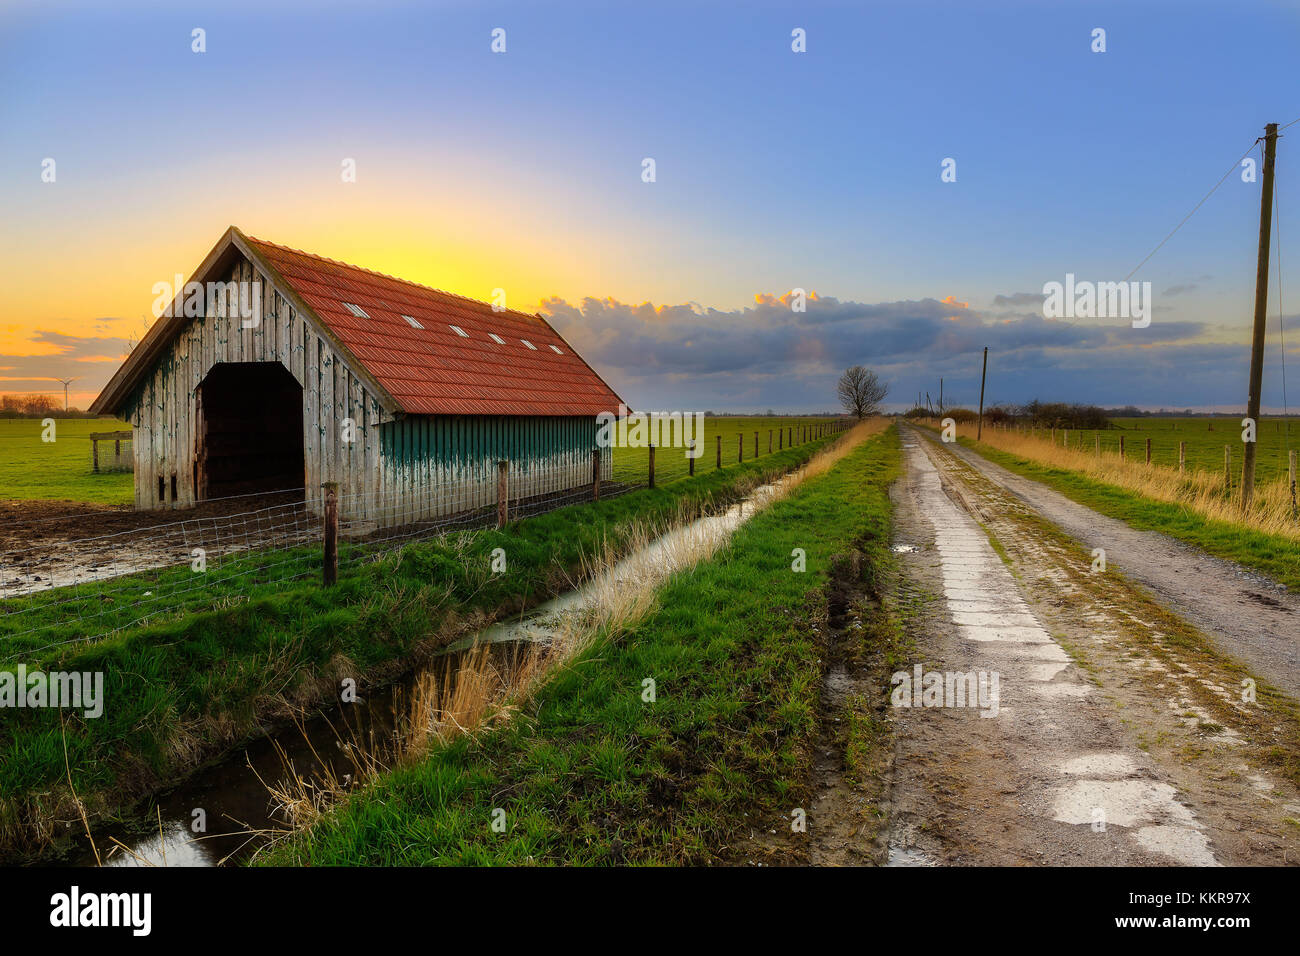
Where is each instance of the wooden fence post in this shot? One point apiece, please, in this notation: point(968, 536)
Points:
point(331, 548)
point(1097, 443)
point(780, 439)
point(1148, 451)
point(1121, 447)
point(719, 451)
point(503, 493)
point(769, 441)
point(690, 459)
point(595, 475)
point(652, 465)
point(94, 453)
point(1182, 457)
point(740, 447)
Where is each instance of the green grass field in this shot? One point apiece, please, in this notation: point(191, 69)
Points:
point(32, 469)
point(631, 464)
point(1205, 438)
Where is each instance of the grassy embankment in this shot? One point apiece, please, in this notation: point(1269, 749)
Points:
point(171, 593)
point(588, 771)
point(185, 689)
point(1194, 507)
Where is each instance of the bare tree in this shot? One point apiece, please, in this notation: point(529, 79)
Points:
point(861, 391)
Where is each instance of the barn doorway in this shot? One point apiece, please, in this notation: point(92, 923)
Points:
point(250, 431)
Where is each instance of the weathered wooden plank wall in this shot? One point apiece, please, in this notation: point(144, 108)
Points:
point(164, 413)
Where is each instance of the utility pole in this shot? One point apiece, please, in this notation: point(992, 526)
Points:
point(1261, 305)
point(979, 429)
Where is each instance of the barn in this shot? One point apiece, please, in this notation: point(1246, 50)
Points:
point(288, 370)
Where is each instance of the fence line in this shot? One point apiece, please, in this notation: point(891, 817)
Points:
point(88, 587)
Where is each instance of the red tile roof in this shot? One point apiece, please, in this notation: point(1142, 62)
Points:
point(433, 370)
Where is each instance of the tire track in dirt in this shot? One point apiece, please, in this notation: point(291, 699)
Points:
point(1108, 714)
point(1249, 616)
point(1038, 772)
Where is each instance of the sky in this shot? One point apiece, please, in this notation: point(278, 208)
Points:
point(774, 171)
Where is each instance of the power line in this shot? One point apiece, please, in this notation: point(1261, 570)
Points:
point(1233, 168)
point(1183, 222)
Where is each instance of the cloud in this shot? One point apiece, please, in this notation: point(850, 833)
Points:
point(91, 360)
point(689, 356)
point(768, 355)
point(1018, 300)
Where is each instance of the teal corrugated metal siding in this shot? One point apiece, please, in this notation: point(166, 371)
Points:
point(439, 465)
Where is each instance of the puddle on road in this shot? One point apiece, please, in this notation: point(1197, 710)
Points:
point(909, 856)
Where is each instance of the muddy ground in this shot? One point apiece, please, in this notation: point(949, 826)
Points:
point(57, 544)
point(1120, 733)
point(50, 544)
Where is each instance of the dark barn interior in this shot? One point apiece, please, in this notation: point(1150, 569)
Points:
point(250, 438)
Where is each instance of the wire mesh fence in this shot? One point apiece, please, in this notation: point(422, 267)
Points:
point(61, 584)
point(61, 587)
point(111, 452)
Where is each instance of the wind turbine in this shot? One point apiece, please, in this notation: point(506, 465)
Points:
point(66, 382)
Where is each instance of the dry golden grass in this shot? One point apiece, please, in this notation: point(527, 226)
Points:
point(1201, 492)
